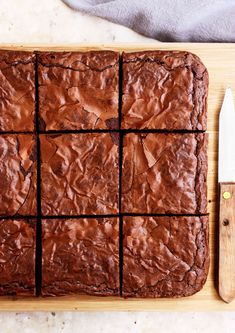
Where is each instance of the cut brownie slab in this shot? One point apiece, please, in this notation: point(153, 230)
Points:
point(79, 173)
point(17, 175)
point(164, 173)
point(17, 91)
point(164, 256)
point(164, 90)
point(80, 256)
point(78, 90)
point(17, 257)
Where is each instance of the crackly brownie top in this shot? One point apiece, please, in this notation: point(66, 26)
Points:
point(17, 91)
point(79, 173)
point(164, 90)
point(17, 174)
point(78, 90)
point(164, 173)
point(17, 257)
point(164, 256)
point(80, 255)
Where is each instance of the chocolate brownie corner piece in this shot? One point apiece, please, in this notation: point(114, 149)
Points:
point(18, 175)
point(17, 91)
point(164, 90)
point(17, 257)
point(80, 256)
point(78, 90)
point(164, 173)
point(164, 256)
point(79, 174)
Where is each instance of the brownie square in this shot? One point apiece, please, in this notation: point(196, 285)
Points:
point(17, 175)
point(164, 256)
point(78, 90)
point(80, 256)
point(79, 173)
point(17, 257)
point(17, 91)
point(164, 90)
point(164, 173)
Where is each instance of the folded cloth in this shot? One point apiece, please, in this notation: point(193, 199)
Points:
point(168, 20)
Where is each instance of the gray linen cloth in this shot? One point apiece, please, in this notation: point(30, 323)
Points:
point(168, 20)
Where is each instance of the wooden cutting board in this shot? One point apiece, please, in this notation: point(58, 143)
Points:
point(220, 62)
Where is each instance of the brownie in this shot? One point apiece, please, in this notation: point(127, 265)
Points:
point(17, 91)
point(79, 174)
point(17, 257)
point(17, 175)
point(80, 256)
point(164, 90)
point(164, 256)
point(164, 173)
point(78, 90)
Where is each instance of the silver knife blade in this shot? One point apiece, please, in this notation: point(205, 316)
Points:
point(227, 139)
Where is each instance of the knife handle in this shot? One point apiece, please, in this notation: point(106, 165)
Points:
point(227, 242)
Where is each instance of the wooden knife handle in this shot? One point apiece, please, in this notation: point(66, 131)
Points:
point(227, 242)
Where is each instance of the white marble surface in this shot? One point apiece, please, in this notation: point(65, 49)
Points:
point(51, 22)
point(139, 322)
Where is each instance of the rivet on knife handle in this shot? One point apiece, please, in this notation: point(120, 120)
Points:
point(227, 242)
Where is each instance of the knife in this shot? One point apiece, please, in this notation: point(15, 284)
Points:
point(227, 198)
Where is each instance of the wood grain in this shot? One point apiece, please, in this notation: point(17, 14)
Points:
point(227, 242)
point(220, 61)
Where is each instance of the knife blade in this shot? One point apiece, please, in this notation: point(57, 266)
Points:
point(227, 139)
point(226, 177)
